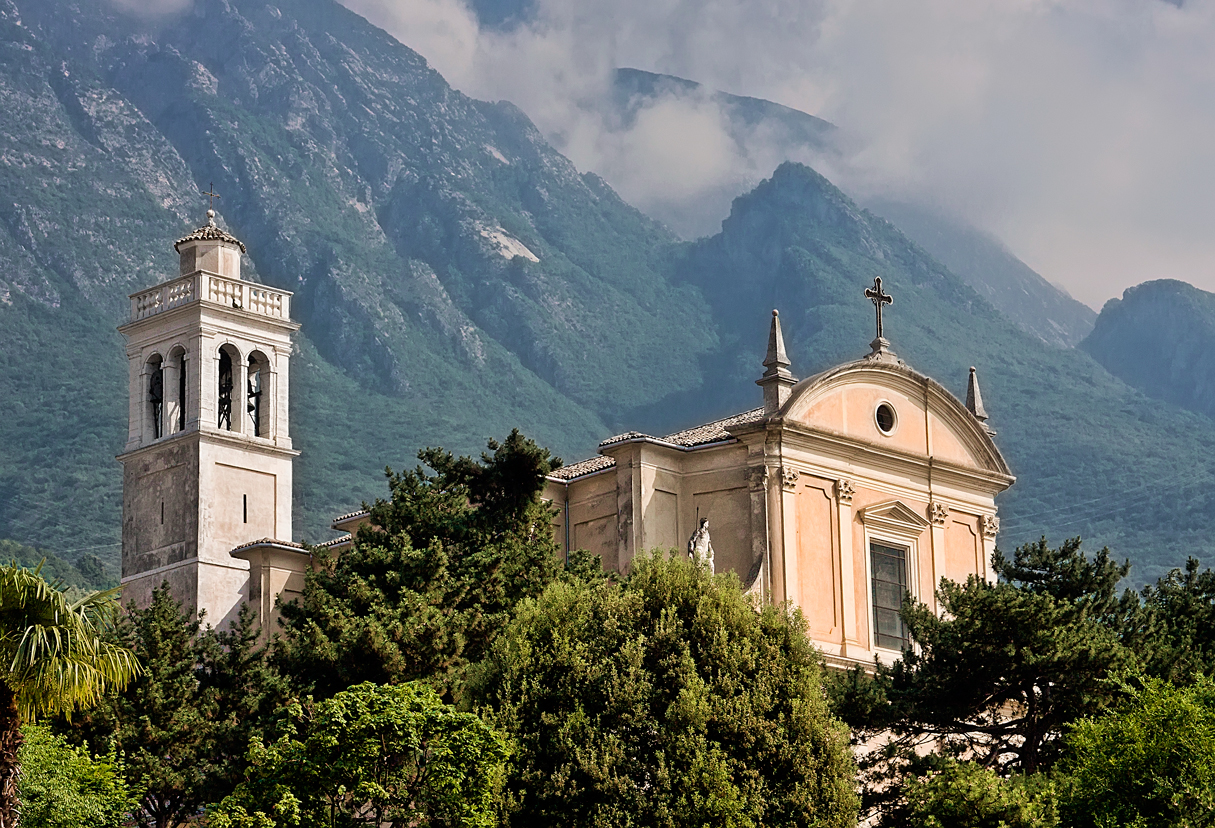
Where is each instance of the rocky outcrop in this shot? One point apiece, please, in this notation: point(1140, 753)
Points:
point(1160, 338)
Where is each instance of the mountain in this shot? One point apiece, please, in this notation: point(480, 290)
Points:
point(988, 266)
point(1093, 456)
point(455, 276)
point(634, 89)
point(764, 132)
point(1160, 338)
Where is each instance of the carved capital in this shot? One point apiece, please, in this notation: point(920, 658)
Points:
point(788, 478)
point(757, 478)
point(938, 512)
point(989, 525)
point(844, 490)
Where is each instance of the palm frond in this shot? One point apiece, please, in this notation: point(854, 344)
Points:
point(53, 655)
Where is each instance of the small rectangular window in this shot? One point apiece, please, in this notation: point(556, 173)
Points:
point(245, 507)
point(889, 567)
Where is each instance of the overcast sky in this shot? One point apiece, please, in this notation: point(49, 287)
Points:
point(1080, 133)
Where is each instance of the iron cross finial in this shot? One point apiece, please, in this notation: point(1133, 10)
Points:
point(875, 295)
point(212, 194)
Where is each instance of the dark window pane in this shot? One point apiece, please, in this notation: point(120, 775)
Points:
point(889, 568)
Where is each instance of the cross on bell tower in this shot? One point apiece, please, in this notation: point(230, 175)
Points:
point(880, 345)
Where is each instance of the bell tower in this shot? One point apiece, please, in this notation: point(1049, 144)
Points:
point(207, 464)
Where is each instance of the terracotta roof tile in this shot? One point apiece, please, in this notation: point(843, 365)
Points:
point(269, 542)
point(209, 232)
point(587, 466)
point(714, 432)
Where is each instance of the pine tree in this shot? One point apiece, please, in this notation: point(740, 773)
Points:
point(433, 576)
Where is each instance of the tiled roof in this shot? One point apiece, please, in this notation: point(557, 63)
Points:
point(587, 466)
point(714, 432)
point(350, 515)
point(209, 232)
point(269, 542)
point(338, 541)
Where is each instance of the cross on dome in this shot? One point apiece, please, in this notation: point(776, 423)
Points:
point(875, 295)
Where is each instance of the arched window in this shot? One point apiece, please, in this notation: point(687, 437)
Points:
point(225, 389)
point(174, 382)
point(181, 392)
point(257, 395)
point(156, 396)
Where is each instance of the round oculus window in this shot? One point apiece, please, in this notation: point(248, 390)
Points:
point(885, 418)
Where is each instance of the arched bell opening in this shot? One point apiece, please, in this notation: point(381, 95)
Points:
point(257, 395)
point(174, 383)
point(156, 397)
point(229, 362)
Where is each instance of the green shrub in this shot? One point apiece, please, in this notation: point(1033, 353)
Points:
point(66, 787)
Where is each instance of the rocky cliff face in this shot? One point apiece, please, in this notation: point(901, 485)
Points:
point(1160, 338)
point(456, 278)
point(445, 258)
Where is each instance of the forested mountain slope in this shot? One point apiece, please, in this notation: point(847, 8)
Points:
point(1160, 338)
point(454, 275)
point(457, 277)
point(1092, 456)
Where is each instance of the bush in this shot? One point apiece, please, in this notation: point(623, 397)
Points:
point(66, 787)
point(968, 795)
point(1150, 763)
point(668, 700)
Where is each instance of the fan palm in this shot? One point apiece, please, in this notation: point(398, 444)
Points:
point(53, 659)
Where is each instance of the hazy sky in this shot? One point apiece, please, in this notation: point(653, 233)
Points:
point(1081, 133)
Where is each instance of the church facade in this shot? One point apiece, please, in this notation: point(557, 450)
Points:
point(840, 494)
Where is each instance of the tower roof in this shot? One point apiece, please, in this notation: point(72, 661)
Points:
point(210, 232)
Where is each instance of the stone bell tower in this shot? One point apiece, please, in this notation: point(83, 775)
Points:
point(207, 464)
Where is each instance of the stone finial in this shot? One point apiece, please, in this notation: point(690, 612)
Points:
point(776, 380)
point(210, 218)
point(974, 400)
point(776, 359)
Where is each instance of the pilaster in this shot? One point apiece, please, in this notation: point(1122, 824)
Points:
point(845, 490)
point(938, 514)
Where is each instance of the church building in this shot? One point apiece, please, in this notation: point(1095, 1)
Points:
point(840, 494)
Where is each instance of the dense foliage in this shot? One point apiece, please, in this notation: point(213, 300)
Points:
point(432, 577)
point(668, 700)
point(968, 795)
point(393, 757)
point(54, 659)
point(63, 786)
point(1148, 763)
point(184, 728)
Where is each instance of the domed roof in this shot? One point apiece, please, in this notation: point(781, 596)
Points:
point(210, 232)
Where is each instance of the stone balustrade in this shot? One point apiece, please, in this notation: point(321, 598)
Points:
point(234, 293)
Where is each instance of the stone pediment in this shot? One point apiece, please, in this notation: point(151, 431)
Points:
point(894, 515)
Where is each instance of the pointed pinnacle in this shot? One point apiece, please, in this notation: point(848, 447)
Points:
point(974, 400)
point(777, 361)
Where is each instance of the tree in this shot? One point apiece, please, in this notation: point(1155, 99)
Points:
point(432, 577)
point(968, 795)
point(184, 728)
point(391, 756)
point(998, 676)
point(1178, 641)
point(667, 700)
point(53, 659)
point(1148, 763)
point(67, 787)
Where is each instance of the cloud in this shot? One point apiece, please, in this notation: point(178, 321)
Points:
point(1081, 132)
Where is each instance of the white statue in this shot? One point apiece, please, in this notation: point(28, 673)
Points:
point(700, 547)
